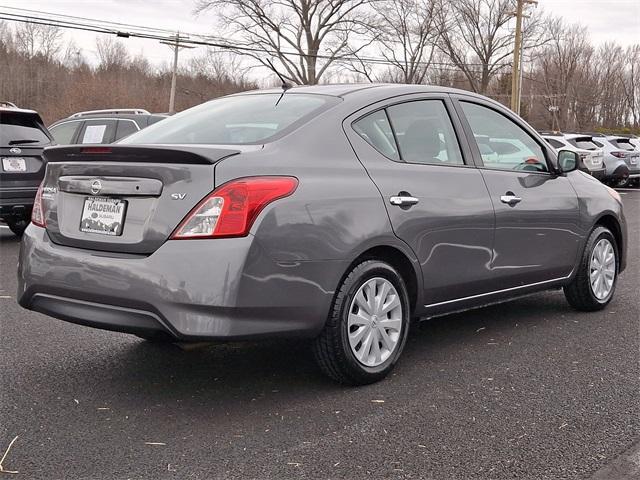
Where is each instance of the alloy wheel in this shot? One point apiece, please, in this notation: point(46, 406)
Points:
point(602, 269)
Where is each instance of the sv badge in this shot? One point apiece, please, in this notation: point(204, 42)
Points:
point(178, 196)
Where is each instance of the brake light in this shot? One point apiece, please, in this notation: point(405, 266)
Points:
point(37, 213)
point(95, 150)
point(618, 154)
point(231, 209)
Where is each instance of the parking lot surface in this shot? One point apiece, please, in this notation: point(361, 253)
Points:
point(529, 389)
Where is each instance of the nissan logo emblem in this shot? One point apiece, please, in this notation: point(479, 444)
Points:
point(15, 150)
point(96, 186)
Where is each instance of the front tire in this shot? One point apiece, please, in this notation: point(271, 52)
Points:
point(595, 282)
point(367, 326)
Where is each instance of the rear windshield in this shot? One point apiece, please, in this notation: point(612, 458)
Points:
point(622, 144)
point(584, 143)
point(18, 129)
point(237, 120)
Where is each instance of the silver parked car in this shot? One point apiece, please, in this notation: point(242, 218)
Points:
point(591, 160)
point(621, 158)
point(336, 213)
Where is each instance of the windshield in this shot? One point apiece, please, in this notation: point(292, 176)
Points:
point(236, 120)
point(21, 130)
point(584, 143)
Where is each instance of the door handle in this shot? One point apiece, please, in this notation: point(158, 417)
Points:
point(403, 200)
point(510, 199)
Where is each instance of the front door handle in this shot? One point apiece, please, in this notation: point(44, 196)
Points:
point(403, 200)
point(510, 199)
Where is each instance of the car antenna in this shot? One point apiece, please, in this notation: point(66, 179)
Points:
point(285, 86)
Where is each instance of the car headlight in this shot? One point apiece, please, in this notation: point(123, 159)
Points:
point(613, 193)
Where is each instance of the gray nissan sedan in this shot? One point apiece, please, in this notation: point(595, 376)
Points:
point(337, 213)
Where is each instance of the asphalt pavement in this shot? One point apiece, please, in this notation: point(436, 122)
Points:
point(529, 390)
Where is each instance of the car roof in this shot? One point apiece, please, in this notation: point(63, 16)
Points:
point(369, 89)
point(17, 110)
point(109, 116)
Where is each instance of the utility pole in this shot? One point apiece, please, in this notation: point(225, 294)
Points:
point(516, 69)
point(176, 46)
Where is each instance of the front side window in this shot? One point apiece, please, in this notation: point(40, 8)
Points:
point(125, 127)
point(235, 120)
point(512, 147)
point(63, 133)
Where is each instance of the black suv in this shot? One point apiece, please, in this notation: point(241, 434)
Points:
point(23, 137)
point(102, 126)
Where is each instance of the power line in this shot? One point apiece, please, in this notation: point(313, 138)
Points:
point(205, 40)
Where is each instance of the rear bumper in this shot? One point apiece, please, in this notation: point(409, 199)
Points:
point(223, 289)
point(16, 202)
point(599, 173)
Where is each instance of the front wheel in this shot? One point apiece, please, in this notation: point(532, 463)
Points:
point(367, 325)
point(595, 282)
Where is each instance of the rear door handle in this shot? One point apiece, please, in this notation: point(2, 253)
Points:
point(403, 201)
point(510, 199)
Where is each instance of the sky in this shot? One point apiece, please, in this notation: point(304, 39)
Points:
point(605, 20)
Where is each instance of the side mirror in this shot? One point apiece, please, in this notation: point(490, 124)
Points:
point(568, 160)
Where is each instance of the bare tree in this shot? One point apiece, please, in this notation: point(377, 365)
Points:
point(33, 39)
point(112, 53)
point(477, 40)
point(306, 37)
point(404, 33)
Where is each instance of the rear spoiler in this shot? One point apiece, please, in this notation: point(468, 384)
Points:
point(181, 154)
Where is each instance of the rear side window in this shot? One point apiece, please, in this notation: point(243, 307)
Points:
point(236, 120)
point(415, 132)
point(376, 130)
point(21, 129)
point(425, 133)
point(514, 148)
point(555, 143)
point(125, 128)
point(63, 132)
point(98, 131)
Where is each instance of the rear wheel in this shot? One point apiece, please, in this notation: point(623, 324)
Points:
point(17, 226)
point(367, 326)
point(595, 281)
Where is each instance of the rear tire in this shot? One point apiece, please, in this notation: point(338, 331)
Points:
point(367, 326)
point(581, 293)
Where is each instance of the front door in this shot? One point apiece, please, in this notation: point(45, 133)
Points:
point(435, 197)
point(537, 237)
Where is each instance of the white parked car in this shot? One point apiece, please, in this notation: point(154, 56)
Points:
point(621, 158)
point(591, 156)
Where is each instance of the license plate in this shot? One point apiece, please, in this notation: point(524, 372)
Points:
point(103, 215)
point(14, 164)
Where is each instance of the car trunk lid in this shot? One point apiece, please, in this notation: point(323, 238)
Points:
point(124, 199)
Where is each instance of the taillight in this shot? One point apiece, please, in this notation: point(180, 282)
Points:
point(95, 150)
point(37, 214)
point(230, 210)
point(618, 154)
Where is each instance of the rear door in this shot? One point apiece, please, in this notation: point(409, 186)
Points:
point(537, 234)
point(435, 197)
